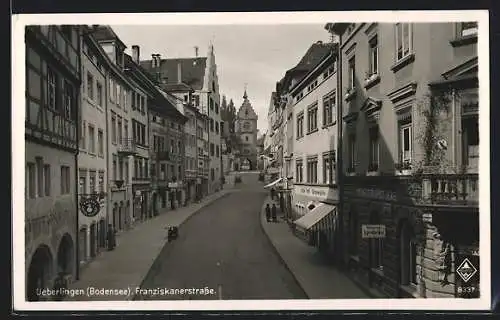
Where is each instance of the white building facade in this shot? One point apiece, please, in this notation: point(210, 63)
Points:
point(92, 166)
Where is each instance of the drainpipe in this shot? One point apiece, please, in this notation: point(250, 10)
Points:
point(77, 129)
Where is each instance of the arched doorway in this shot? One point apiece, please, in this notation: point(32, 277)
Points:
point(82, 247)
point(65, 255)
point(93, 240)
point(39, 272)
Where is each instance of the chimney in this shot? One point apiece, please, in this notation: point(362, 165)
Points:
point(135, 54)
point(179, 72)
point(154, 60)
point(196, 52)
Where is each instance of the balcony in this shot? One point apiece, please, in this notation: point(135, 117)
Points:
point(420, 189)
point(127, 147)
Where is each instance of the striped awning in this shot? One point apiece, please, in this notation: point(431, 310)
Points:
point(307, 221)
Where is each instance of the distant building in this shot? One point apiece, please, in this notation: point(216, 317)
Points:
point(246, 130)
point(199, 73)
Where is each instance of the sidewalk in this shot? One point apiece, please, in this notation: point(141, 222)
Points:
point(126, 266)
point(318, 279)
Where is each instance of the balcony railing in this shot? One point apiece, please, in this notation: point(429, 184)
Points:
point(457, 188)
point(127, 147)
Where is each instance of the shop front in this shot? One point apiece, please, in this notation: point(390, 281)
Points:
point(401, 244)
point(176, 194)
point(143, 206)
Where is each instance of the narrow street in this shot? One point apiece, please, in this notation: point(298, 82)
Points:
point(224, 248)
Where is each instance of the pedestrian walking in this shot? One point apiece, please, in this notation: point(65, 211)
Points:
point(268, 213)
point(272, 193)
point(273, 213)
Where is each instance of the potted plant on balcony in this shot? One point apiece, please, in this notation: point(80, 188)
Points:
point(372, 169)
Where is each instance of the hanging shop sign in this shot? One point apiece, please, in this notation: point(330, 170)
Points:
point(90, 207)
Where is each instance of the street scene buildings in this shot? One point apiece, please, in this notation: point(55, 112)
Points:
point(359, 164)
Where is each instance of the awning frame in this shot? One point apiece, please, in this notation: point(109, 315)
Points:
point(275, 182)
point(314, 216)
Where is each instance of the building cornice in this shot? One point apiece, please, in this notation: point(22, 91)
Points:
point(403, 92)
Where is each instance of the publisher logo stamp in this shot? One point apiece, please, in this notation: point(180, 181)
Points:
point(466, 270)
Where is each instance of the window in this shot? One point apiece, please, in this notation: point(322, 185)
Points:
point(118, 95)
point(90, 86)
point(179, 146)
point(82, 182)
point(163, 171)
point(329, 108)
point(300, 125)
point(69, 101)
point(376, 245)
point(352, 151)
point(217, 127)
point(212, 174)
point(46, 178)
point(312, 170)
point(115, 174)
point(466, 29)
point(101, 181)
point(99, 94)
point(120, 130)
point(113, 128)
point(39, 173)
point(196, 100)
point(312, 118)
point(352, 73)
point(373, 56)
point(125, 130)
point(30, 180)
point(405, 143)
point(329, 168)
point(133, 100)
point(212, 147)
point(51, 89)
point(91, 139)
point(120, 169)
point(470, 143)
point(216, 108)
point(179, 170)
point(212, 125)
point(83, 134)
point(299, 171)
point(374, 149)
point(100, 142)
point(217, 151)
point(246, 138)
point(65, 180)
point(403, 40)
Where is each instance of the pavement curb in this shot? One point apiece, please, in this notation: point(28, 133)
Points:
point(155, 262)
point(261, 220)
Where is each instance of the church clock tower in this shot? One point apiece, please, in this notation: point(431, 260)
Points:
point(246, 130)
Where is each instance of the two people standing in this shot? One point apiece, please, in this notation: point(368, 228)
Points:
point(271, 213)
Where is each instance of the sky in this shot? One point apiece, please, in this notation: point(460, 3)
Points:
point(258, 55)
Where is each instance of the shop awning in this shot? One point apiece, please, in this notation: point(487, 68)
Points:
point(275, 182)
point(314, 216)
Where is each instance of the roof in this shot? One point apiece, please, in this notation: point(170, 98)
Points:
point(176, 87)
point(192, 69)
point(164, 104)
point(313, 56)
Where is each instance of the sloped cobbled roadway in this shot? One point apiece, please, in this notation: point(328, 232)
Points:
point(222, 250)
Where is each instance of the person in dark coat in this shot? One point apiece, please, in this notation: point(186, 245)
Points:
point(272, 193)
point(268, 213)
point(111, 237)
point(273, 213)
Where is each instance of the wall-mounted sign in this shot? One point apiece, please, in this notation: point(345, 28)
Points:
point(320, 193)
point(90, 207)
point(372, 231)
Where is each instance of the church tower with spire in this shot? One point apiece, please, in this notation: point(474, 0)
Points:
point(246, 130)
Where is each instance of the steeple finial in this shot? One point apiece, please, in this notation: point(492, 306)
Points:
point(245, 96)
